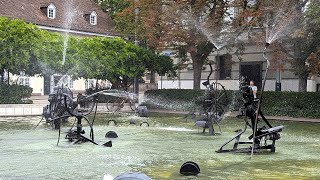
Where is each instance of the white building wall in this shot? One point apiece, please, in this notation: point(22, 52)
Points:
point(37, 84)
point(79, 85)
point(286, 85)
point(311, 85)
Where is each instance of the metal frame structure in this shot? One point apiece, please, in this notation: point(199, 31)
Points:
point(252, 110)
point(214, 104)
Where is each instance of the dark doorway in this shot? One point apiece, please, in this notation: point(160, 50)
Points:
point(252, 71)
point(46, 88)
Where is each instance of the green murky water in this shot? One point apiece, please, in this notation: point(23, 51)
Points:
point(158, 151)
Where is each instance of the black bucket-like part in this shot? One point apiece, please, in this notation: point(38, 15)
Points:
point(190, 168)
point(108, 144)
point(111, 134)
point(133, 122)
point(112, 122)
point(132, 176)
point(143, 111)
point(144, 124)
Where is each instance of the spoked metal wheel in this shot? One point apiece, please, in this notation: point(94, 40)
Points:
point(114, 105)
point(216, 102)
point(133, 104)
point(86, 105)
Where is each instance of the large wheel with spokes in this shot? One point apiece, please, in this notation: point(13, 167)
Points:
point(216, 102)
point(114, 105)
point(133, 104)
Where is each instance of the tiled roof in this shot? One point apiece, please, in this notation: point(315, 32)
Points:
point(30, 11)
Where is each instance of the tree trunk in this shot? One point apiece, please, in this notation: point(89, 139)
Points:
point(303, 83)
point(197, 68)
point(2, 75)
point(97, 84)
point(8, 78)
point(152, 77)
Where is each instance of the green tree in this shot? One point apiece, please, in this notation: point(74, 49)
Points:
point(18, 42)
point(113, 6)
point(116, 60)
point(105, 58)
point(303, 40)
point(158, 63)
point(175, 24)
point(307, 45)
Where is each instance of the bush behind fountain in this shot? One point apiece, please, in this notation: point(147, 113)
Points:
point(285, 103)
point(15, 94)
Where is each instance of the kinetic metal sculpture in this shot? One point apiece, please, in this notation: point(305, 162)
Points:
point(251, 108)
point(62, 105)
point(214, 104)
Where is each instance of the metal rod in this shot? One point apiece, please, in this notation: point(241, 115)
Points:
point(260, 99)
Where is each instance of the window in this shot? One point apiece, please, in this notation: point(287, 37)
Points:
point(70, 83)
point(51, 11)
point(93, 18)
point(24, 80)
point(89, 83)
point(225, 66)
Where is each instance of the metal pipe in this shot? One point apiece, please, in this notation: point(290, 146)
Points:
point(260, 98)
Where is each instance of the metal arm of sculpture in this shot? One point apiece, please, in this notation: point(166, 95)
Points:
point(261, 95)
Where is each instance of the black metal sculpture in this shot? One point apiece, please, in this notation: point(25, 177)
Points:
point(251, 108)
point(214, 105)
point(62, 105)
point(55, 112)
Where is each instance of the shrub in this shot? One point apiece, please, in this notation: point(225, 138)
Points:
point(15, 94)
point(293, 104)
point(178, 99)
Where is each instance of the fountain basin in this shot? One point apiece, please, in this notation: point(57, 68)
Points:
point(157, 151)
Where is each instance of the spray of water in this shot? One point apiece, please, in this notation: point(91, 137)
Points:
point(218, 40)
point(218, 36)
point(283, 22)
point(69, 13)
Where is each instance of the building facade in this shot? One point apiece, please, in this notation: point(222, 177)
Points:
point(76, 17)
point(227, 71)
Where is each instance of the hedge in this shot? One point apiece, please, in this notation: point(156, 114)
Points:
point(293, 104)
point(15, 94)
point(179, 99)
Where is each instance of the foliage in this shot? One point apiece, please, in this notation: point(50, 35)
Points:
point(313, 29)
point(116, 60)
point(293, 104)
point(18, 40)
point(14, 94)
point(25, 47)
point(179, 25)
point(297, 24)
point(113, 6)
point(50, 52)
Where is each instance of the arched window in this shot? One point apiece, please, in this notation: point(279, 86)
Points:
point(51, 11)
point(93, 18)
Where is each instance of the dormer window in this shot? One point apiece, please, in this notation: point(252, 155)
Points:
point(51, 11)
point(93, 18)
